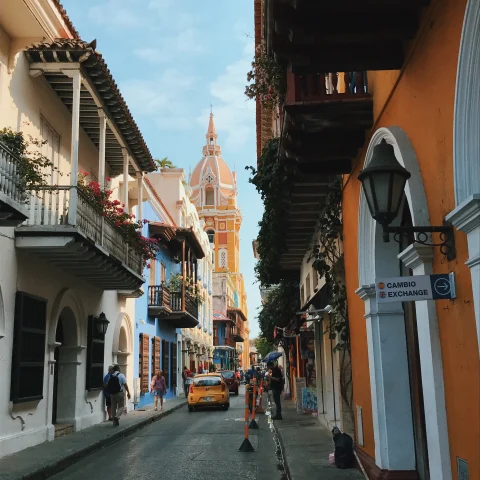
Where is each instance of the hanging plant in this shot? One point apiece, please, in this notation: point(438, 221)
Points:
point(175, 283)
point(267, 79)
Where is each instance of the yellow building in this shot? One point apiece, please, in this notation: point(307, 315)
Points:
point(214, 193)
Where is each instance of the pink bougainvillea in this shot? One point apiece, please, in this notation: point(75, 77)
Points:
point(113, 210)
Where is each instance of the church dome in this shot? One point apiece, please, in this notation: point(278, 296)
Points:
point(212, 171)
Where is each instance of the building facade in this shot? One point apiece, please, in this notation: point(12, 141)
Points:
point(409, 359)
point(214, 194)
point(67, 278)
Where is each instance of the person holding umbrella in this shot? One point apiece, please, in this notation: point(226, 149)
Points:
point(276, 385)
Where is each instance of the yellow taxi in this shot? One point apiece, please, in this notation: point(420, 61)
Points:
point(208, 390)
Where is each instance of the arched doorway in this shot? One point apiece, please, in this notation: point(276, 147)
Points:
point(406, 373)
point(65, 373)
point(123, 351)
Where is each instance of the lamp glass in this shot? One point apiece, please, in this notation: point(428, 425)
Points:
point(101, 324)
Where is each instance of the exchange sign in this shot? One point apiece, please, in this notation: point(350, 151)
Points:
point(415, 288)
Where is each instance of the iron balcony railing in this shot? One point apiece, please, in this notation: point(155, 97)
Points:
point(56, 206)
point(223, 342)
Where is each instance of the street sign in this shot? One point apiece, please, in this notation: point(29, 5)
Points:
point(415, 288)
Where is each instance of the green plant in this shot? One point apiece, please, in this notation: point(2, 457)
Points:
point(164, 163)
point(267, 79)
point(275, 187)
point(263, 346)
point(33, 168)
point(175, 283)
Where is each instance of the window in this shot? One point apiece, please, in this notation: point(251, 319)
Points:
point(174, 364)
point(28, 358)
point(211, 236)
point(155, 355)
point(209, 196)
point(307, 287)
point(143, 362)
point(223, 258)
point(51, 150)
point(166, 360)
point(95, 357)
point(153, 272)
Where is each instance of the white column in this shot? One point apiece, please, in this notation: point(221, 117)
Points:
point(419, 258)
point(101, 148)
point(389, 383)
point(318, 333)
point(77, 84)
point(125, 178)
point(140, 196)
point(466, 218)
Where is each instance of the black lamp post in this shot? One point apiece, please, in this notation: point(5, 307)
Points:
point(101, 324)
point(188, 344)
point(383, 182)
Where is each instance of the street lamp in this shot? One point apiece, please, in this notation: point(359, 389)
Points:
point(188, 343)
point(383, 182)
point(101, 324)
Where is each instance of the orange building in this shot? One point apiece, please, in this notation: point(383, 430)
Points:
point(413, 80)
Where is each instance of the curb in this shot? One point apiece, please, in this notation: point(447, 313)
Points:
point(67, 461)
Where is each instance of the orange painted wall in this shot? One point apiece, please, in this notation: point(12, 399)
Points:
point(422, 104)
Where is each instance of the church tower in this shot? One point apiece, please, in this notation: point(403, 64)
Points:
point(214, 193)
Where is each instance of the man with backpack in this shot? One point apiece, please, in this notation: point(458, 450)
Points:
point(106, 393)
point(117, 386)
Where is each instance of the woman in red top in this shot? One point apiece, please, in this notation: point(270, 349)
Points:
point(158, 388)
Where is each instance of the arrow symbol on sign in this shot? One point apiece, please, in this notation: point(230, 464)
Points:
point(444, 286)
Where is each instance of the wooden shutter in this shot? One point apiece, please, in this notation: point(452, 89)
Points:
point(155, 355)
point(95, 357)
point(174, 364)
point(28, 357)
point(165, 361)
point(144, 361)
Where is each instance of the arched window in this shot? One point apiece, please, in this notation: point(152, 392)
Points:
point(211, 236)
point(209, 196)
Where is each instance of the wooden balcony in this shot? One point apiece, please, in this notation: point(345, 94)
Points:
point(313, 36)
point(325, 118)
point(13, 211)
point(168, 305)
point(224, 342)
point(66, 230)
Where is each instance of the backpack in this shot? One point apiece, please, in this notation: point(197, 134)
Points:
point(344, 456)
point(113, 385)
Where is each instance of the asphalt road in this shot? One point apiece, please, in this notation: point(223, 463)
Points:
point(202, 445)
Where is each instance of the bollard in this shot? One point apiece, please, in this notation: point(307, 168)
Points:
point(246, 445)
point(253, 424)
point(259, 408)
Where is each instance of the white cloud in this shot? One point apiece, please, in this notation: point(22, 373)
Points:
point(161, 99)
point(234, 113)
point(116, 14)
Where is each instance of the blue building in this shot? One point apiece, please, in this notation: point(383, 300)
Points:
point(168, 305)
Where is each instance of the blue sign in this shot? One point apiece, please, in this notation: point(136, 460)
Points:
point(443, 286)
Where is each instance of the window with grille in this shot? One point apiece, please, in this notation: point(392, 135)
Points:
point(211, 236)
point(174, 364)
point(28, 358)
point(95, 356)
point(223, 258)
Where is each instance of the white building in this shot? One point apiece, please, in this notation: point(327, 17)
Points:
point(62, 263)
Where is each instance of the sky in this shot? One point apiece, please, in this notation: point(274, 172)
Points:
point(172, 59)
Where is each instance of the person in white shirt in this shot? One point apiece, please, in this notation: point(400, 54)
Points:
point(118, 397)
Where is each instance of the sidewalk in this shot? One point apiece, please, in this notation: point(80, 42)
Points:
point(306, 446)
point(47, 459)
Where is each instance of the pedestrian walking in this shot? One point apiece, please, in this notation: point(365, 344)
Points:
point(106, 393)
point(117, 386)
point(276, 385)
point(185, 375)
point(158, 388)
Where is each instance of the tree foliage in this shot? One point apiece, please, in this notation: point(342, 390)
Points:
point(263, 346)
point(278, 309)
point(164, 163)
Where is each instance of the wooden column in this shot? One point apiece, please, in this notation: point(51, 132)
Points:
point(140, 196)
point(101, 148)
point(125, 178)
point(77, 85)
